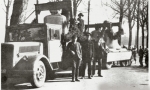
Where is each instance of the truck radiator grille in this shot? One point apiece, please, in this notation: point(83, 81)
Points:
point(29, 49)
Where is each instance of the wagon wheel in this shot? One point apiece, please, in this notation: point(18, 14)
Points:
point(39, 76)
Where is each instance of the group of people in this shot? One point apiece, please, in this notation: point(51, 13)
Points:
point(89, 52)
point(141, 54)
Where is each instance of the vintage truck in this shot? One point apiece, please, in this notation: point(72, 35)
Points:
point(34, 51)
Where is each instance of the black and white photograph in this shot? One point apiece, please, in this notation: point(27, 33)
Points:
point(74, 44)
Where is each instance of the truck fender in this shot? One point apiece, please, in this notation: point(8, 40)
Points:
point(29, 63)
point(32, 60)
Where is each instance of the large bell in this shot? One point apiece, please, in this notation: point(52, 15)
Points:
point(112, 44)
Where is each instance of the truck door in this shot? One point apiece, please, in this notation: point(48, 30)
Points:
point(54, 45)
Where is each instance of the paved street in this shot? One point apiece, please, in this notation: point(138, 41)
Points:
point(116, 78)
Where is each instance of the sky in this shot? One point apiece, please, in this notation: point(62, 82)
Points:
point(98, 13)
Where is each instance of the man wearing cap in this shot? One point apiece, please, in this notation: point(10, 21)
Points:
point(81, 22)
point(87, 55)
point(74, 48)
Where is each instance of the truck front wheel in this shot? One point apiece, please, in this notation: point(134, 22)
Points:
point(39, 76)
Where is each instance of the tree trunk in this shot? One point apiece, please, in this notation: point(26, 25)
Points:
point(120, 19)
point(143, 36)
point(147, 28)
point(7, 13)
point(18, 14)
point(147, 39)
point(130, 35)
point(75, 8)
point(138, 24)
point(147, 34)
point(129, 23)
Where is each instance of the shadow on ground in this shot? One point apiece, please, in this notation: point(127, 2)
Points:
point(26, 85)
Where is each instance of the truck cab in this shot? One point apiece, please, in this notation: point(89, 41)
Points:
point(34, 51)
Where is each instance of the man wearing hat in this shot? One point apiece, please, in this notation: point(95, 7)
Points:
point(81, 22)
point(74, 48)
point(87, 55)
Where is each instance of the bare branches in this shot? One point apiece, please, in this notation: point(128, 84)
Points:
point(5, 3)
point(10, 2)
point(143, 12)
point(78, 2)
point(119, 6)
point(4, 10)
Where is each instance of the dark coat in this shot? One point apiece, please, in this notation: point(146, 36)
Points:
point(76, 48)
point(141, 52)
point(87, 51)
point(102, 50)
point(96, 49)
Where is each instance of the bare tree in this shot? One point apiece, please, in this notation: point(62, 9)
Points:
point(125, 8)
point(119, 8)
point(143, 14)
point(6, 10)
point(76, 4)
point(131, 7)
point(18, 14)
point(138, 24)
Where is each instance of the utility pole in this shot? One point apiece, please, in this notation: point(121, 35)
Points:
point(88, 13)
point(36, 11)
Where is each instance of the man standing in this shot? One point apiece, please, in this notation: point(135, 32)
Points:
point(146, 57)
point(134, 53)
point(102, 53)
point(95, 38)
point(81, 22)
point(141, 52)
point(88, 55)
point(74, 48)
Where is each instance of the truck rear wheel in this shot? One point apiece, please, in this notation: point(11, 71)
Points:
point(108, 65)
point(123, 63)
point(39, 76)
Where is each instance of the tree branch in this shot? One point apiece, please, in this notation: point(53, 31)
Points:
point(124, 2)
point(4, 10)
point(5, 3)
point(133, 24)
point(79, 1)
point(115, 15)
point(10, 2)
point(112, 7)
point(115, 2)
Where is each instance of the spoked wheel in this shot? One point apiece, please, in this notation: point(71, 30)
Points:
point(39, 75)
